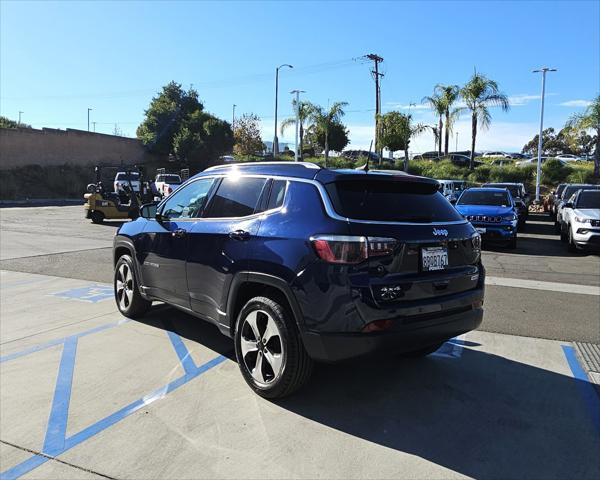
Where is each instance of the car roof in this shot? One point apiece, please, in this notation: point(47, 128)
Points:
point(487, 190)
point(503, 183)
point(311, 171)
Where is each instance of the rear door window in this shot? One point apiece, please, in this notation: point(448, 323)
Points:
point(236, 197)
point(391, 201)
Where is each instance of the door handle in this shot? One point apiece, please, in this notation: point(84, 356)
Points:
point(239, 235)
point(179, 233)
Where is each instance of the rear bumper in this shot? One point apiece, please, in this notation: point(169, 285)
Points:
point(408, 334)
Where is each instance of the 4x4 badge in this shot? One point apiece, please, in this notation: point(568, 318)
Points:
point(440, 231)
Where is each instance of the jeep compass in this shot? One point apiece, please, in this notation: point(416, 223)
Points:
point(300, 264)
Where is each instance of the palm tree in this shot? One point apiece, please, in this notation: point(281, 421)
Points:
point(303, 116)
point(436, 102)
point(412, 130)
point(322, 120)
point(479, 94)
point(449, 94)
point(590, 120)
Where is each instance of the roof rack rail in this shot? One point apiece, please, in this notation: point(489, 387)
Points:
point(254, 164)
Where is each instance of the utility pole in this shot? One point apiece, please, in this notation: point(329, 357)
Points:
point(376, 59)
point(89, 109)
point(297, 92)
point(233, 117)
point(20, 112)
point(275, 139)
point(543, 71)
point(94, 123)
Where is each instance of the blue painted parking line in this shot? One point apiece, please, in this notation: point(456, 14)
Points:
point(588, 392)
point(453, 348)
point(60, 341)
point(91, 293)
point(56, 442)
point(57, 423)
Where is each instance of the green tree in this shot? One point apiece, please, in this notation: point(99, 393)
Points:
point(449, 95)
point(479, 94)
point(247, 135)
point(6, 122)
point(438, 105)
point(590, 120)
point(337, 137)
point(303, 117)
point(397, 132)
point(175, 122)
point(324, 119)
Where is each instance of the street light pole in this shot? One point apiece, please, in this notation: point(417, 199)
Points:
point(456, 149)
point(233, 117)
point(297, 92)
point(540, 141)
point(89, 109)
point(275, 139)
point(20, 112)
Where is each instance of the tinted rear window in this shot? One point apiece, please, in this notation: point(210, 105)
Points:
point(131, 176)
point(572, 189)
point(171, 179)
point(390, 201)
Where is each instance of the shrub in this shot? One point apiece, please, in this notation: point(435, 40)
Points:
point(553, 171)
point(582, 173)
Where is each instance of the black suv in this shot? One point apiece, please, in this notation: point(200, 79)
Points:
point(301, 264)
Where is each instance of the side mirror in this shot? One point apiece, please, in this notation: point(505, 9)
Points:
point(148, 210)
point(453, 201)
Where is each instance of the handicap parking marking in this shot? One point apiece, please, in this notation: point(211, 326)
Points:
point(56, 441)
point(90, 293)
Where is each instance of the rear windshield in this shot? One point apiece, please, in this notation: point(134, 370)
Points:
point(560, 188)
point(390, 201)
point(497, 199)
point(589, 200)
point(171, 179)
point(124, 176)
point(514, 190)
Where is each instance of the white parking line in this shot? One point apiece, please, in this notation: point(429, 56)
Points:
point(539, 285)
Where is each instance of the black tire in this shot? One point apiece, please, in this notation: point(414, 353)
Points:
point(570, 242)
point(512, 244)
point(422, 352)
point(295, 364)
point(563, 236)
point(129, 300)
point(97, 217)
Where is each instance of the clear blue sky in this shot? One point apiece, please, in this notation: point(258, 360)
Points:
point(59, 58)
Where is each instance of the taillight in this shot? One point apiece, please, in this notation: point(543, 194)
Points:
point(378, 326)
point(345, 249)
point(169, 190)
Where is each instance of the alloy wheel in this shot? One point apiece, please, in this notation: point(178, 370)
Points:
point(124, 285)
point(262, 347)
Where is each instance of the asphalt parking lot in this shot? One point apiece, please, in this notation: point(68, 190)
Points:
point(86, 393)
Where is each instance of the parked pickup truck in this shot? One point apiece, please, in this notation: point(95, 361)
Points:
point(166, 183)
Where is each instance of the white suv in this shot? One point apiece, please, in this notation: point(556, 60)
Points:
point(581, 220)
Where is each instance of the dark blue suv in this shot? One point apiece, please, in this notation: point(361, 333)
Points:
point(301, 264)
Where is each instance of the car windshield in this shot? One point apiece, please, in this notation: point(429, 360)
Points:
point(589, 200)
point(479, 197)
point(514, 190)
point(131, 176)
point(571, 189)
point(391, 201)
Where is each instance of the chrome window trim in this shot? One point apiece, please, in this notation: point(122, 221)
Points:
point(324, 198)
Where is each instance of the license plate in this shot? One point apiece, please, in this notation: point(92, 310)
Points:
point(481, 230)
point(434, 258)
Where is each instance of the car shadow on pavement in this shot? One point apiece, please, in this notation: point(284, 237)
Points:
point(544, 247)
point(187, 326)
point(481, 415)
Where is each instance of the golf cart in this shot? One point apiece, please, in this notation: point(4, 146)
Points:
point(104, 204)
